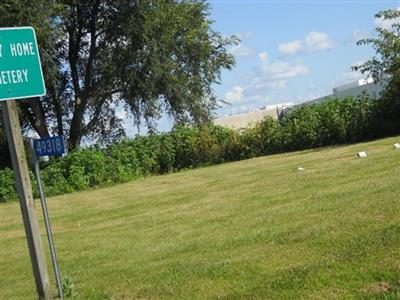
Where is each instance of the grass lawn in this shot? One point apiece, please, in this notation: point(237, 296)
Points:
point(255, 229)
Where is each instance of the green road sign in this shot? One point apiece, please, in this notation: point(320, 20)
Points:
point(20, 69)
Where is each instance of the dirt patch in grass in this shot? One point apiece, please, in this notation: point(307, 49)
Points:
point(377, 288)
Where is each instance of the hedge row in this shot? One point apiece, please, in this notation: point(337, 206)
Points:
point(332, 122)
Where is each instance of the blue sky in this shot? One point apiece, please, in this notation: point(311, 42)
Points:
point(292, 51)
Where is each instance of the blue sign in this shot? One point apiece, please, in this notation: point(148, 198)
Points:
point(53, 146)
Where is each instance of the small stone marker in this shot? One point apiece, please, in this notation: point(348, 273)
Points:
point(396, 146)
point(362, 154)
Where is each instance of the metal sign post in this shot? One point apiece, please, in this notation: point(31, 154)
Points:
point(21, 77)
point(48, 147)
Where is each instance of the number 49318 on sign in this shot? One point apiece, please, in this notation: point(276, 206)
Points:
point(53, 146)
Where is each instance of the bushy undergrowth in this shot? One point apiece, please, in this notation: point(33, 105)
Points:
point(332, 122)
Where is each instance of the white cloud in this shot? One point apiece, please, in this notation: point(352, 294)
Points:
point(263, 56)
point(314, 41)
point(352, 75)
point(360, 62)
point(290, 48)
point(234, 95)
point(317, 41)
point(261, 84)
point(386, 24)
point(265, 80)
point(382, 23)
point(277, 84)
point(281, 70)
point(360, 35)
point(270, 76)
point(244, 35)
point(242, 51)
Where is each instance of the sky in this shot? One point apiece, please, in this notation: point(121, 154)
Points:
point(290, 51)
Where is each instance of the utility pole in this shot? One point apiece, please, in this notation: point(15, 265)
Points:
point(24, 189)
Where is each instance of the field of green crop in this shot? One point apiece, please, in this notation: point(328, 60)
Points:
point(255, 229)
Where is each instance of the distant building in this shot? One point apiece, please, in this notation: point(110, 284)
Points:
point(243, 120)
point(352, 89)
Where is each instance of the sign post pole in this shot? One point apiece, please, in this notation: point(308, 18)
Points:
point(21, 77)
point(47, 224)
point(24, 189)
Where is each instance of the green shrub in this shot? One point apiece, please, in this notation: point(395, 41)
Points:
point(122, 164)
point(231, 145)
point(332, 122)
point(269, 132)
point(184, 139)
point(55, 179)
point(7, 186)
point(87, 164)
point(8, 190)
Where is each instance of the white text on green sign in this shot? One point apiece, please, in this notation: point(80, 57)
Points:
point(20, 69)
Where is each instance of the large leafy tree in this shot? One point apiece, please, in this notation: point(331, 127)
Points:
point(385, 65)
point(148, 57)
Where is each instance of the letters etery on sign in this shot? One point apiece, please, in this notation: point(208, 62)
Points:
point(20, 69)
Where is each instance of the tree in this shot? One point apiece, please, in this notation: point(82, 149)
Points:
point(386, 65)
point(148, 57)
point(386, 62)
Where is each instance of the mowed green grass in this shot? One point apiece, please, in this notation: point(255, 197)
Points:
point(255, 229)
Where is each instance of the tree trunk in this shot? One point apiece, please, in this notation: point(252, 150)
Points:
point(57, 108)
point(82, 93)
point(75, 133)
point(35, 115)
